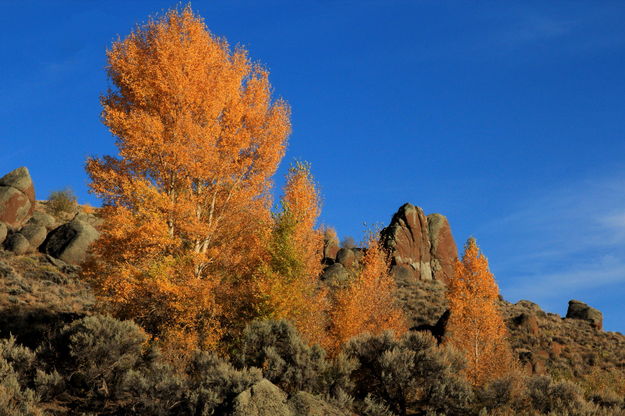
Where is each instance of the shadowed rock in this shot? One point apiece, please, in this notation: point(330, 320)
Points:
point(17, 243)
point(579, 310)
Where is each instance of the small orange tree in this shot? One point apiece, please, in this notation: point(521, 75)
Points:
point(475, 325)
point(288, 285)
point(368, 303)
point(186, 205)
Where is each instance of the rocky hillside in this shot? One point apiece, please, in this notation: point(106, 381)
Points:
point(42, 247)
point(423, 249)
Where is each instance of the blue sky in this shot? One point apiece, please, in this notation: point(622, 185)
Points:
point(508, 117)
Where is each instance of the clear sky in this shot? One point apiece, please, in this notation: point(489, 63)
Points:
point(508, 117)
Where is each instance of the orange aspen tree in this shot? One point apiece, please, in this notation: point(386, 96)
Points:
point(475, 325)
point(289, 285)
point(368, 303)
point(186, 202)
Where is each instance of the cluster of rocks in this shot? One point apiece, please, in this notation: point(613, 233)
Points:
point(23, 229)
point(421, 248)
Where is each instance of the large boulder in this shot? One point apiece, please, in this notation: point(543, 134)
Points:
point(579, 310)
point(408, 241)
point(70, 241)
point(262, 399)
point(17, 243)
point(443, 247)
point(34, 233)
point(346, 257)
point(17, 198)
point(43, 219)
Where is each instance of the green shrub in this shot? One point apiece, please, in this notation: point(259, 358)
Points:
point(212, 384)
point(285, 359)
point(410, 373)
point(15, 399)
point(99, 352)
point(547, 396)
point(63, 201)
point(20, 358)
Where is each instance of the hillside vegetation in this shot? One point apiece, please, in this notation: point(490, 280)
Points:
point(191, 292)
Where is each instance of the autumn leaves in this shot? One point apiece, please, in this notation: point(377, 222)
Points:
point(191, 249)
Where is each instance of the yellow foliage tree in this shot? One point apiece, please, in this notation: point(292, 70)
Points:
point(288, 285)
point(368, 303)
point(186, 204)
point(475, 325)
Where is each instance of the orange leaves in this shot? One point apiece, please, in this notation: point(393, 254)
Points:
point(475, 325)
point(288, 283)
point(368, 304)
point(187, 206)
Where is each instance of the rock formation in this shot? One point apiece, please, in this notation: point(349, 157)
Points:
point(70, 241)
point(579, 310)
point(17, 198)
point(421, 248)
point(24, 230)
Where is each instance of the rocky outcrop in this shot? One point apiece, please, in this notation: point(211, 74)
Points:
point(17, 198)
point(421, 247)
point(579, 310)
point(443, 247)
point(70, 241)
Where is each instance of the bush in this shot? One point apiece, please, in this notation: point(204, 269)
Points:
point(412, 372)
point(348, 242)
point(20, 358)
point(99, 352)
point(504, 394)
point(212, 384)
point(547, 396)
point(60, 202)
point(285, 359)
point(15, 400)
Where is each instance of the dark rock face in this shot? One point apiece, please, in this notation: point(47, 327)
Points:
point(17, 198)
point(421, 248)
point(70, 241)
point(579, 310)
